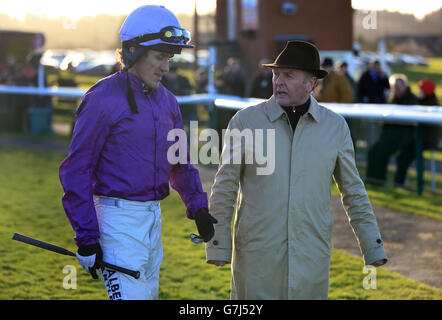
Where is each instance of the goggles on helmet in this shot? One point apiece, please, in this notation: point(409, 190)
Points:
point(172, 35)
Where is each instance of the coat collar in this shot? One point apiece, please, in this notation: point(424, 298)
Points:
point(274, 111)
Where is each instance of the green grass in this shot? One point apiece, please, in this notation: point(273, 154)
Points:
point(428, 205)
point(30, 195)
point(405, 200)
point(30, 204)
point(347, 276)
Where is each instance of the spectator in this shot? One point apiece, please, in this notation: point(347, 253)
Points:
point(427, 97)
point(232, 81)
point(7, 74)
point(393, 138)
point(2, 74)
point(343, 70)
point(334, 87)
point(262, 82)
point(31, 73)
point(372, 84)
point(25, 77)
point(202, 80)
point(176, 83)
point(8, 71)
point(179, 85)
point(7, 77)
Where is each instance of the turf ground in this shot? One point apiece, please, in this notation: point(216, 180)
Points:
point(30, 203)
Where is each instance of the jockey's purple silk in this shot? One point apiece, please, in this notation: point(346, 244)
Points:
point(115, 153)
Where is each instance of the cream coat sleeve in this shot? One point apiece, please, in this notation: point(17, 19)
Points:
point(223, 197)
point(356, 203)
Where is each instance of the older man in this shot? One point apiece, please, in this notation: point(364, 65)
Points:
point(282, 233)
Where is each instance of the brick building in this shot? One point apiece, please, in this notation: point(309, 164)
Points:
point(254, 29)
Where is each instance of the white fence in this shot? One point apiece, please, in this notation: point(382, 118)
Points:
point(380, 112)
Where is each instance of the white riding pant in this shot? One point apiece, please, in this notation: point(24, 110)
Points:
point(130, 237)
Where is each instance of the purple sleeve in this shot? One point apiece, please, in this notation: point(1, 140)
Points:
point(185, 179)
point(77, 170)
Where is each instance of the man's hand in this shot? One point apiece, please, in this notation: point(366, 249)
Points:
point(204, 223)
point(90, 258)
point(218, 263)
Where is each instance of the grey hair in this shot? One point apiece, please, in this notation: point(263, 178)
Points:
point(307, 78)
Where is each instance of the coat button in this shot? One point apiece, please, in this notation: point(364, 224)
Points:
point(379, 241)
point(215, 242)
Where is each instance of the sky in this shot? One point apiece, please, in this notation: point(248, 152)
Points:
point(417, 7)
point(78, 8)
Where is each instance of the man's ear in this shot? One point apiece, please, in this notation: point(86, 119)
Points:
point(311, 84)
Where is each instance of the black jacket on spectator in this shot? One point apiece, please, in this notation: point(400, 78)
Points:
point(262, 87)
point(371, 90)
point(179, 87)
point(430, 100)
point(234, 84)
point(393, 138)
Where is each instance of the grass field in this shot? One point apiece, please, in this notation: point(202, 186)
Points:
point(30, 204)
point(405, 200)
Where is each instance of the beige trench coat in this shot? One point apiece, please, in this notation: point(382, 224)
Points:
point(281, 244)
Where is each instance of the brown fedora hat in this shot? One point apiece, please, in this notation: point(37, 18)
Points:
point(300, 55)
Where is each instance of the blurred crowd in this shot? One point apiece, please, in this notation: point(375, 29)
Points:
point(373, 86)
point(24, 75)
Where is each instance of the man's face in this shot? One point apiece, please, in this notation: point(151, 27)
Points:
point(235, 67)
point(343, 69)
point(376, 67)
point(291, 87)
point(151, 67)
point(399, 88)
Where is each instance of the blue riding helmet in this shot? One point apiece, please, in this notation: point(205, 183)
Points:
point(150, 27)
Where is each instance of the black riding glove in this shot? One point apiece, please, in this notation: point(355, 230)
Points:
point(204, 223)
point(90, 258)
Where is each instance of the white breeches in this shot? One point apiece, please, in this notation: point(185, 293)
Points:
point(130, 236)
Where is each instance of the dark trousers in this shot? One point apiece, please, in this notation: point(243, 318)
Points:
point(393, 138)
